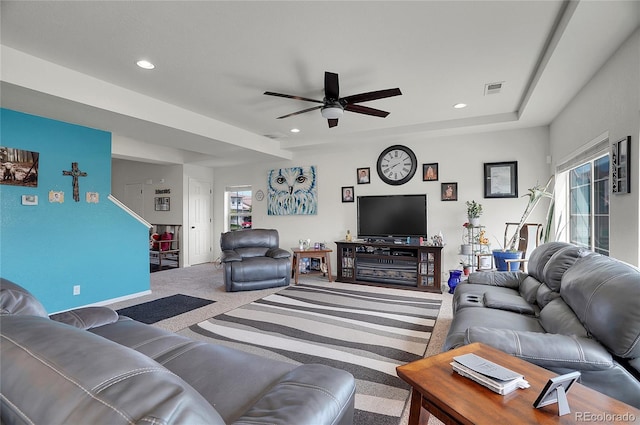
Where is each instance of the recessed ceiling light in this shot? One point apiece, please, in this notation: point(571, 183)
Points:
point(145, 64)
point(460, 105)
point(295, 130)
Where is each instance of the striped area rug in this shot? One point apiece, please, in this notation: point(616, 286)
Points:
point(366, 331)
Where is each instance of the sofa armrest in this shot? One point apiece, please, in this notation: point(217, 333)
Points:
point(278, 253)
point(504, 279)
point(309, 394)
point(551, 351)
point(229, 256)
point(86, 317)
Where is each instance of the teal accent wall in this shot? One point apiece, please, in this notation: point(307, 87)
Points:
point(50, 247)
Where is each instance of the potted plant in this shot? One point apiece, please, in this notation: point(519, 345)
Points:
point(535, 194)
point(474, 211)
point(466, 268)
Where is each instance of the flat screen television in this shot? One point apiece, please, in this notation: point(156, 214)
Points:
point(392, 216)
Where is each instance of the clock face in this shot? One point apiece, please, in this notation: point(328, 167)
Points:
point(397, 164)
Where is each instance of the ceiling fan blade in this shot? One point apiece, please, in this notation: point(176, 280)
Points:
point(333, 122)
point(372, 95)
point(331, 87)
point(365, 110)
point(300, 112)
point(288, 96)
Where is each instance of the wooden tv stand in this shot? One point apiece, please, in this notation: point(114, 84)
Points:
point(389, 264)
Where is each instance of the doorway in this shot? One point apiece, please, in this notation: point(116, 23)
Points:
point(200, 222)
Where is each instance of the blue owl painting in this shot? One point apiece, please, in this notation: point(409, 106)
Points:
point(293, 191)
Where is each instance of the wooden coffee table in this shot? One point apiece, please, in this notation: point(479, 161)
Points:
point(322, 254)
point(455, 399)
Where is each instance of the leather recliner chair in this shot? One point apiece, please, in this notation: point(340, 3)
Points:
point(252, 259)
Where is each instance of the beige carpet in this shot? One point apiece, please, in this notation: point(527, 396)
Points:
point(205, 281)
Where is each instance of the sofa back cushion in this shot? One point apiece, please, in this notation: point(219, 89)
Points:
point(604, 294)
point(539, 257)
point(251, 241)
point(54, 373)
point(558, 318)
point(14, 299)
point(559, 263)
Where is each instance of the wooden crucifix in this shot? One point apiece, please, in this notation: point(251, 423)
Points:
point(75, 173)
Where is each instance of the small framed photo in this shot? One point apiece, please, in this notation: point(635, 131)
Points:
point(364, 175)
point(448, 191)
point(163, 203)
point(430, 172)
point(93, 197)
point(56, 196)
point(555, 392)
point(347, 194)
point(620, 172)
point(501, 179)
point(29, 199)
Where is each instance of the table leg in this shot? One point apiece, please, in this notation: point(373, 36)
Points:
point(297, 257)
point(327, 260)
point(417, 415)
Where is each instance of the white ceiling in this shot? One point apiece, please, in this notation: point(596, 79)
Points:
point(75, 61)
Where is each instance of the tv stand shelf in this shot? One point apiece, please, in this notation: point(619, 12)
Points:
point(390, 264)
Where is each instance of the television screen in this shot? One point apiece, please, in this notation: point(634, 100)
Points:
point(392, 216)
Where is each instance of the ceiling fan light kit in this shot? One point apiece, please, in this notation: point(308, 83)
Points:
point(332, 112)
point(333, 106)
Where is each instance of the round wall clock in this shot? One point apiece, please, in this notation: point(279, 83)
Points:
point(260, 195)
point(397, 164)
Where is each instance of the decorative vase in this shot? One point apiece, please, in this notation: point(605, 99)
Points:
point(467, 270)
point(454, 279)
point(475, 221)
point(465, 249)
point(500, 256)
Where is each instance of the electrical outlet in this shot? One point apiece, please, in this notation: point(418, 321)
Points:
point(76, 289)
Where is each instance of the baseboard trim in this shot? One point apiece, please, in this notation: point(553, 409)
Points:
point(110, 301)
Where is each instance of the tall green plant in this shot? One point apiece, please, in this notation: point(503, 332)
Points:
point(536, 193)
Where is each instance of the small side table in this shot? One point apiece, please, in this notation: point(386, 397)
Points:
point(299, 254)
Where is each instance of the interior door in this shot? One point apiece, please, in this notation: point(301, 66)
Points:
point(200, 249)
point(134, 198)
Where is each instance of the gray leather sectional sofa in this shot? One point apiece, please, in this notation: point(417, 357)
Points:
point(573, 310)
point(90, 366)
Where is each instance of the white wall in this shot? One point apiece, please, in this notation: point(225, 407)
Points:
point(152, 177)
point(460, 160)
point(609, 104)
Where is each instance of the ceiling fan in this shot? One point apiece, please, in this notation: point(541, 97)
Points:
point(333, 105)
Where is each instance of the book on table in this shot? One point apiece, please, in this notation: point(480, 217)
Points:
point(491, 375)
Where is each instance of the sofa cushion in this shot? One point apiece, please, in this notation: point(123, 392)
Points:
point(508, 302)
point(604, 294)
point(558, 318)
point(86, 317)
point(539, 257)
point(14, 299)
point(54, 373)
point(489, 318)
point(546, 350)
point(265, 390)
point(559, 263)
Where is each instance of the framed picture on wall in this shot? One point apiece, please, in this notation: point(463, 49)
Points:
point(162, 203)
point(620, 172)
point(347, 194)
point(430, 172)
point(501, 179)
point(19, 167)
point(449, 191)
point(364, 175)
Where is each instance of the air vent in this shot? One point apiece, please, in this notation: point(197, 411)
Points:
point(275, 136)
point(493, 88)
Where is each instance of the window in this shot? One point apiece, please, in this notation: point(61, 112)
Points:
point(589, 205)
point(238, 207)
